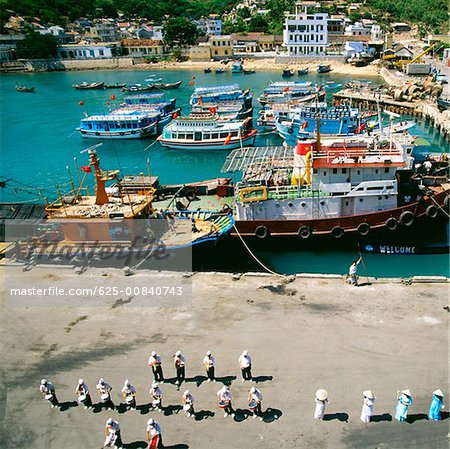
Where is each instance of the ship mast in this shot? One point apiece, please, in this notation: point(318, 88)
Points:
point(101, 195)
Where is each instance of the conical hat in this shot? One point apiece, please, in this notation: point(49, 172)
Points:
point(438, 392)
point(407, 392)
point(369, 394)
point(321, 394)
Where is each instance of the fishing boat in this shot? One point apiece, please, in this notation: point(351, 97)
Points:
point(398, 127)
point(122, 123)
point(337, 188)
point(153, 79)
point(287, 73)
point(114, 86)
point(302, 72)
point(165, 86)
point(138, 88)
point(226, 110)
point(220, 94)
point(236, 67)
point(207, 134)
point(207, 70)
point(249, 71)
point(324, 68)
point(220, 70)
point(87, 86)
point(21, 88)
point(301, 122)
point(332, 86)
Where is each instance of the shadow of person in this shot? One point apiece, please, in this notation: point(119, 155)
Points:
point(100, 406)
point(203, 414)
point(144, 408)
point(343, 417)
point(177, 446)
point(241, 414)
point(136, 445)
point(445, 415)
point(410, 419)
point(63, 406)
point(197, 379)
point(260, 379)
point(226, 380)
point(172, 410)
point(383, 417)
point(271, 414)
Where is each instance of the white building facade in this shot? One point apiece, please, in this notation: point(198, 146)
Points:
point(305, 33)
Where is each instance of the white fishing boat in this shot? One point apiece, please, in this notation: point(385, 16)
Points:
point(197, 133)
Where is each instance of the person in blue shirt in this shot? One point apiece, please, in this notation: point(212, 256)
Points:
point(404, 401)
point(437, 405)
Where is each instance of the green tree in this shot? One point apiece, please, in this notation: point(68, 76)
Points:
point(180, 31)
point(258, 23)
point(37, 46)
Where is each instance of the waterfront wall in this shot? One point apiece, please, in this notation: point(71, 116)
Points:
point(98, 64)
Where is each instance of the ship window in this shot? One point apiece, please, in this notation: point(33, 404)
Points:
point(324, 173)
point(315, 171)
point(189, 136)
point(290, 204)
point(376, 171)
point(128, 125)
point(181, 136)
point(358, 172)
point(322, 203)
point(344, 170)
point(334, 171)
point(223, 135)
point(206, 136)
point(124, 125)
point(214, 136)
point(234, 134)
point(380, 198)
point(346, 203)
point(361, 200)
point(386, 169)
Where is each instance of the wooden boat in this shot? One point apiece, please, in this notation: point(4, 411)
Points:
point(287, 73)
point(249, 71)
point(207, 70)
point(20, 88)
point(322, 68)
point(164, 86)
point(303, 71)
point(115, 86)
point(139, 88)
point(86, 86)
point(152, 79)
point(220, 70)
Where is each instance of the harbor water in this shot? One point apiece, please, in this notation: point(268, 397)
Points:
point(38, 142)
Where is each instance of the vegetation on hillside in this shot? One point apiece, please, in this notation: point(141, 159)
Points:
point(37, 46)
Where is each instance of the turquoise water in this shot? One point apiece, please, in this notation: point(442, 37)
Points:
point(38, 141)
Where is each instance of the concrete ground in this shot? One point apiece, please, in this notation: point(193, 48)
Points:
point(304, 335)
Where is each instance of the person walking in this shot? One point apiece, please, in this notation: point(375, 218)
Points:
point(113, 436)
point(367, 408)
point(245, 363)
point(321, 403)
point(155, 362)
point(208, 363)
point(224, 397)
point(129, 394)
point(404, 400)
point(83, 395)
point(436, 406)
point(153, 435)
point(156, 395)
point(188, 404)
point(180, 367)
point(49, 392)
point(254, 402)
point(352, 272)
point(104, 390)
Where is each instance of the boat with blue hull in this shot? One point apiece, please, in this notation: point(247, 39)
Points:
point(236, 67)
point(218, 94)
point(334, 120)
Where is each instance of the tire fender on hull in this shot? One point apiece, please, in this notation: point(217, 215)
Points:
point(363, 229)
point(304, 232)
point(432, 211)
point(407, 218)
point(337, 232)
point(391, 224)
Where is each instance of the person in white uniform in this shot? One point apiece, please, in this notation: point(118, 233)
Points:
point(254, 402)
point(245, 363)
point(104, 390)
point(113, 437)
point(367, 408)
point(188, 404)
point(49, 392)
point(224, 397)
point(180, 367)
point(208, 363)
point(352, 272)
point(83, 395)
point(153, 434)
point(155, 362)
point(129, 394)
point(321, 403)
point(157, 395)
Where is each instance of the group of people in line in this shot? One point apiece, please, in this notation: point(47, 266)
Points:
point(224, 397)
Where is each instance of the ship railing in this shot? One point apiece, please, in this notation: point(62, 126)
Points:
point(288, 192)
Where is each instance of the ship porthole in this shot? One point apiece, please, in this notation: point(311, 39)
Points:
point(262, 232)
point(303, 204)
point(337, 232)
point(290, 204)
point(391, 224)
point(363, 229)
point(407, 218)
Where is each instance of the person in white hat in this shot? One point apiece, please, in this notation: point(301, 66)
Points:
point(153, 434)
point(245, 363)
point(255, 398)
point(113, 437)
point(188, 404)
point(367, 408)
point(404, 400)
point(180, 367)
point(436, 406)
point(49, 392)
point(104, 390)
point(157, 395)
point(129, 394)
point(83, 395)
point(208, 363)
point(224, 397)
point(155, 362)
point(321, 403)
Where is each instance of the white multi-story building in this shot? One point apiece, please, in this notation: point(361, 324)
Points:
point(305, 33)
point(211, 25)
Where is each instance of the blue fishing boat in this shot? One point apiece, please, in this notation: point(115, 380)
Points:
point(322, 68)
point(122, 123)
point(303, 71)
point(336, 120)
point(218, 94)
point(287, 73)
point(236, 67)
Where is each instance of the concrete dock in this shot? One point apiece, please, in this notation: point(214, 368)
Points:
point(302, 335)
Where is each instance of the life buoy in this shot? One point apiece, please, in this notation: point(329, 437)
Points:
point(304, 232)
point(407, 218)
point(363, 229)
point(391, 224)
point(190, 195)
point(432, 211)
point(262, 232)
point(337, 232)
